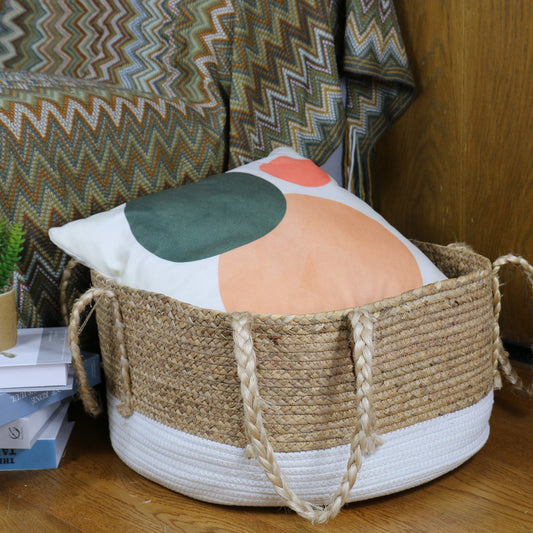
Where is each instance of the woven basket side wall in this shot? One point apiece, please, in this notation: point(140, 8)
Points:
point(434, 357)
point(433, 353)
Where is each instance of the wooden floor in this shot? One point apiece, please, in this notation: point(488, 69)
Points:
point(94, 491)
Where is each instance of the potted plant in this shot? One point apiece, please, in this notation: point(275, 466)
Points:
point(11, 242)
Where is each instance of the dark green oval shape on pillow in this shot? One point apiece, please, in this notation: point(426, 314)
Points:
point(206, 218)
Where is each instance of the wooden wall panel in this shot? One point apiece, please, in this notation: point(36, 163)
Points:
point(458, 165)
point(411, 159)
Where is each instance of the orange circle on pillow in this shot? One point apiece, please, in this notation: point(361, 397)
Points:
point(323, 256)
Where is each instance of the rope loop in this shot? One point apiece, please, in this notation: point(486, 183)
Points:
point(364, 439)
point(88, 398)
point(500, 356)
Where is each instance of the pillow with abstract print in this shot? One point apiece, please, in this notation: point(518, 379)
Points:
point(275, 236)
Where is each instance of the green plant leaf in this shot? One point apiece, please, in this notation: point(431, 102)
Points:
point(11, 245)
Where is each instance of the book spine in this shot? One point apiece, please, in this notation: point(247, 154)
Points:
point(44, 454)
point(15, 405)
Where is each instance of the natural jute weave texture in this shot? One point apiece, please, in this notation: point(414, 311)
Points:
point(432, 354)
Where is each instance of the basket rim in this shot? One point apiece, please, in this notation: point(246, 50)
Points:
point(481, 267)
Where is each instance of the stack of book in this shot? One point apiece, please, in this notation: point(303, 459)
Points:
point(37, 383)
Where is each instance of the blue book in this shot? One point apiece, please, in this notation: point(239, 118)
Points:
point(48, 448)
point(15, 405)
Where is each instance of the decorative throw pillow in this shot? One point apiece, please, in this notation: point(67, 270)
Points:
point(275, 236)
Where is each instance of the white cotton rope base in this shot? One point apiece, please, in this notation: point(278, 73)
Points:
point(220, 473)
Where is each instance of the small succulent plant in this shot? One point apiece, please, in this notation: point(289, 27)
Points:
point(11, 242)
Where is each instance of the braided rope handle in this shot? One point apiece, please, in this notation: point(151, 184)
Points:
point(501, 357)
point(89, 401)
point(364, 441)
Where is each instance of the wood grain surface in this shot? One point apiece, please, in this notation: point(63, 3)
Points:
point(458, 165)
point(94, 491)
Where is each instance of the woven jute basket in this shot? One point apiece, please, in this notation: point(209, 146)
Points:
point(262, 409)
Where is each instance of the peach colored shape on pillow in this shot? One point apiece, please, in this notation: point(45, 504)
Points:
point(308, 263)
point(299, 171)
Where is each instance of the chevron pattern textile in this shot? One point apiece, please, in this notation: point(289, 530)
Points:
point(105, 100)
point(70, 148)
point(289, 63)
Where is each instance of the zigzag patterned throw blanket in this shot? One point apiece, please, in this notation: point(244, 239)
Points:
point(103, 101)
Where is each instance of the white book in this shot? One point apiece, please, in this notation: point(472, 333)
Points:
point(40, 388)
point(23, 432)
point(41, 358)
point(15, 405)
